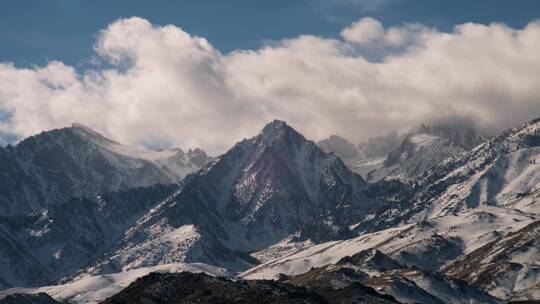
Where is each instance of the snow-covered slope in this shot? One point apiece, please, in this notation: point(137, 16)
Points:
point(42, 247)
point(56, 165)
point(406, 284)
point(94, 289)
point(508, 268)
point(423, 249)
point(429, 244)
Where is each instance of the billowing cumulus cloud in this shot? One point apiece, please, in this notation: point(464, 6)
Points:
point(165, 86)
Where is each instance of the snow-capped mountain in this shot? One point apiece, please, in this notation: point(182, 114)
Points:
point(78, 162)
point(503, 172)
point(261, 191)
point(497, 181)
point(276, 205)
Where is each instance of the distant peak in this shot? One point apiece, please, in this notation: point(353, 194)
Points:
point(336, 139)
point(340, 146)
point(334, 136)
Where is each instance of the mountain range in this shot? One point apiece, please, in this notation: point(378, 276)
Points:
point(436, 215)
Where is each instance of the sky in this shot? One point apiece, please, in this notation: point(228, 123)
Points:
point(35, 32)
point(209, 73)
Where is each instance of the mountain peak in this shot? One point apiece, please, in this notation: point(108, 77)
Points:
point(276, 129)
point(275, 126)
point(76, 130)
point(89, 133)
point(464, 136)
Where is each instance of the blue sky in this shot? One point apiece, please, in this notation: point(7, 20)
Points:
point(35, 32)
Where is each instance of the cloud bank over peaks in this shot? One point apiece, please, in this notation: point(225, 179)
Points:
point(163, 86)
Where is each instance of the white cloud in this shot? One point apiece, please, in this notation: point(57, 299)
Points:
point(166, 85)
point(364, 31)
point(369, 32)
